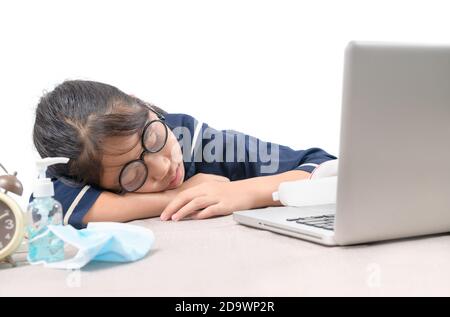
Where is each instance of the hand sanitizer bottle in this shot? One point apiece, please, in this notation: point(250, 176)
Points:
point(43, 245)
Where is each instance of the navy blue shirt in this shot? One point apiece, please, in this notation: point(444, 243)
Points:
point(205, 150)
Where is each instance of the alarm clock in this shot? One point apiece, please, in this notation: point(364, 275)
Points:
point(12, 220)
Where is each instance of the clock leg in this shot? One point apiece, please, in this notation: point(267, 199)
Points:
point(10, 260)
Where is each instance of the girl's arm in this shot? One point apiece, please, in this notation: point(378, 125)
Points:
point(214, 199)
point(258, 190)
point(132, 206)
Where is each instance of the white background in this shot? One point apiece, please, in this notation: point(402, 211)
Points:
point(272, 69)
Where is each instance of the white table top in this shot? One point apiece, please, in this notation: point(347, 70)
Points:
point(217, 257)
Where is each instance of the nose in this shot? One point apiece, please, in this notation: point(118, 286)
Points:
point(158, 166)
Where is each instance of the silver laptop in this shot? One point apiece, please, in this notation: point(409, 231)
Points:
point(394, 158)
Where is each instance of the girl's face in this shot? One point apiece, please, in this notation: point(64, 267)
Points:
point(165, 168)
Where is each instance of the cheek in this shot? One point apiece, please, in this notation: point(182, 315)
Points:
point(107, 180)
point(174, 150)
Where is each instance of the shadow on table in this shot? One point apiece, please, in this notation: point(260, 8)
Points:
point(397, 241)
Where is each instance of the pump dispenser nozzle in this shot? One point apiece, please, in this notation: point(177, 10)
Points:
point(44, 186)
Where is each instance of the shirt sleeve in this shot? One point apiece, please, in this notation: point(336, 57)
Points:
point(76, 201)
point(239, 156)
point(313, 158)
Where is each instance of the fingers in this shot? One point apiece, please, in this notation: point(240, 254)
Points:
point(194, 198)
point(179, 201)
point(193, 206)
point(211, 211)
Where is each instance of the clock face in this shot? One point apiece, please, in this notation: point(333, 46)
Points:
point(7, 225)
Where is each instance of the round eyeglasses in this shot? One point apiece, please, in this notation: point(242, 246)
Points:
point(134, 173)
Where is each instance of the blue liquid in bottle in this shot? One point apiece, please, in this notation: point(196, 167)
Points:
point(43, 245)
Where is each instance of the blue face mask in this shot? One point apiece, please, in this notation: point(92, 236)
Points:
point(103, 241)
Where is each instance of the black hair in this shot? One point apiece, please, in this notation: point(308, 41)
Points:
point(75, 118)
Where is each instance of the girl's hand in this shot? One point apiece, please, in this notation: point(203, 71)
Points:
point(194, 181)
point(200, 178)
point(208, 199)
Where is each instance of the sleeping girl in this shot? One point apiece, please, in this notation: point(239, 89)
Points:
point(131, 160)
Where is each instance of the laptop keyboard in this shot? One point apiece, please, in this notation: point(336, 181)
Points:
point(322, 221)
